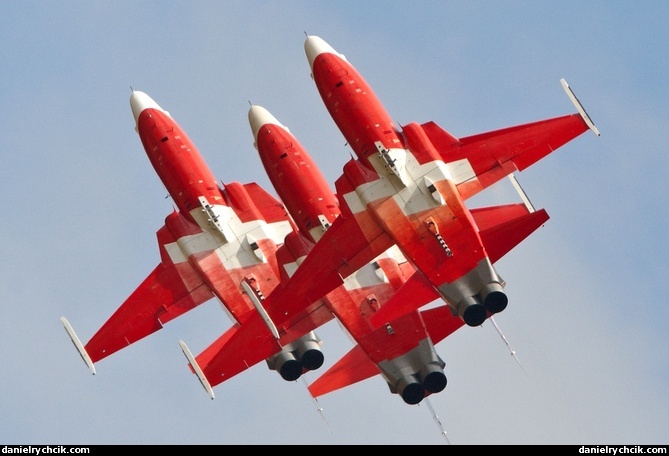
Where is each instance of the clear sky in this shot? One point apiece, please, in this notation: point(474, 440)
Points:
point(81, 204)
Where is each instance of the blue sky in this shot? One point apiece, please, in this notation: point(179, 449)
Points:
point(81, 205)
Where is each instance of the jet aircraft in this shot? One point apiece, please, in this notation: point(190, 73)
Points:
point(220, 241)
point(236, 242)
point(406, 187)
point(406, 356)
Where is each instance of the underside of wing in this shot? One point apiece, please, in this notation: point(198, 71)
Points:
point(161, 297)
point(341, 251)
point(239, 348)
point(271, 209)
point(476, 162)
point(501, 228)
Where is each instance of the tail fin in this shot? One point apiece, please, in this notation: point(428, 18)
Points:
point(236, 350)
point(355, 366)
point(414, 294)
point(504, 227)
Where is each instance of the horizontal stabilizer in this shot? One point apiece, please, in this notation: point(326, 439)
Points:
point(440, 322)
point(504, 227)
point(196, 369)
point(413, 294)
point(357, 366)
point(237, 349)
point(353, 367)
point(78, 345)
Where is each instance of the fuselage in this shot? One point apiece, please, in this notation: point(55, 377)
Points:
point(301, 186)
point(174, 157)
point(402, 350)
point(401, 179)
point(219, 231)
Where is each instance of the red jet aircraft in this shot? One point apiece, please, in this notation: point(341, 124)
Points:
point(236, 242)
point(406, 188)
point(405, 356)
point(219, 241)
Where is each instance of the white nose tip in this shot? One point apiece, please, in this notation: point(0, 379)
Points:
point(259, 116)
point(139, 101)
point(314, 46)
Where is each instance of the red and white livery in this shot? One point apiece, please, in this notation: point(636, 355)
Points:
point(406, 188)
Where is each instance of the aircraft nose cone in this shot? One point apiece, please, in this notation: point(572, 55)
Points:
point(139, 101)
point(259, 116)
point(314, 46)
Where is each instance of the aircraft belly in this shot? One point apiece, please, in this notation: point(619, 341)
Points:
point(367, 276)
point(189, 276)
point(354, 308)
point(396, 337)
point(232, 254)
point(223, 267)
point(365, 293)
point(196, 244)
point(423, 248)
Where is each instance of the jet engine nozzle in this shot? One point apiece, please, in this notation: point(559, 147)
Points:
point(493, 297)
point(303, 354)
point(310, 354)
point(410, 389)
point(433, 377)
point(415, 374)
point(472, 311)
point(288, 366)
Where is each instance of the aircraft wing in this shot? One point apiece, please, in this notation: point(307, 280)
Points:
point(476, 162)
point(272, 210)
point(280, 320)
point(167, 292)
point(341, 251)
point(245, 345)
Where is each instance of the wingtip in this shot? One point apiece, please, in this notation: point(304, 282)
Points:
point(579, 107)
point(196, 369)
point(78, 345)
